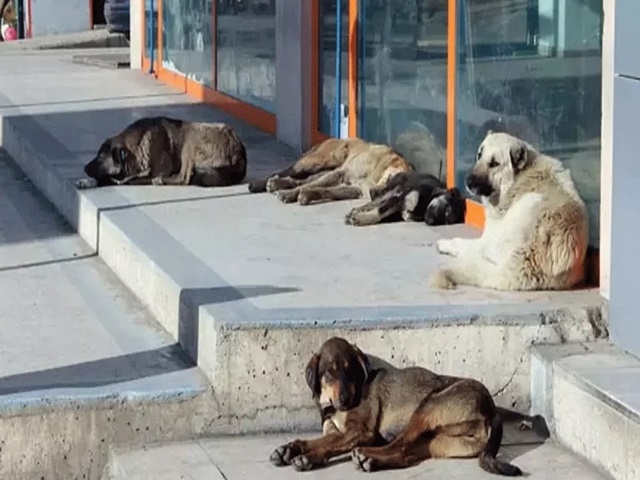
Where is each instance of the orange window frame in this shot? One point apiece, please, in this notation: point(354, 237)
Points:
point(250, 114)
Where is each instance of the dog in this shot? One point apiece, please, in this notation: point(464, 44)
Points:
point(366, 165)
point(536, 225)
point(392, 418)
point(168, 151)
point(411, 197)
point(321, 158)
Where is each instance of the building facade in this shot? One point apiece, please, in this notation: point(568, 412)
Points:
point(429, 77)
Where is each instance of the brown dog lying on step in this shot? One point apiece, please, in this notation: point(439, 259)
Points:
point(167, 151)
point(394, 418)
point(412, 197)
point(364, 166)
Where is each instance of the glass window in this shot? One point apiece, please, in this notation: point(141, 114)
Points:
point(246, 57)
point(533, 69)
point(151, 30)
point(402, 85)
point(327, 67)
point(187, 38)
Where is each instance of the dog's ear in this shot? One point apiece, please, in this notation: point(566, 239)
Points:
point(364, 363)
point(311, 375)
point(518, 154)
point(119, 155)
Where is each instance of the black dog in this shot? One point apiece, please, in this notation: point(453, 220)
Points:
point(411, 197)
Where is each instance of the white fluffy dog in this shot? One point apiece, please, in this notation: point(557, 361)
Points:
point(536, 225)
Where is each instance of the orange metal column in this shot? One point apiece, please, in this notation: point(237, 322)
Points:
point(353, 68)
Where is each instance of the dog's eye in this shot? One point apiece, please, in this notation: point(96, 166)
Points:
point(493, 163)
point(479, 153)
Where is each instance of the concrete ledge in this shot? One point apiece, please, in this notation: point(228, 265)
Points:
point(590, 397)
point(88, 39)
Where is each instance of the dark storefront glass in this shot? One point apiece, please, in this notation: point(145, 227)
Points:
point(533, 69)
point(402, 85)
point(187, 37)
point(246, 51)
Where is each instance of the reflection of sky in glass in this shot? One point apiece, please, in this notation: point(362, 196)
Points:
point(246, 53)
point(187, 38)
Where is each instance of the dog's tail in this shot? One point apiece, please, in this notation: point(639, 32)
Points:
point(488, 460)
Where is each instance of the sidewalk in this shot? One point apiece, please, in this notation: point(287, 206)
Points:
point(248, 458)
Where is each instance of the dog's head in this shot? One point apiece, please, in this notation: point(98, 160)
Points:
point(337, 374)
point(501, 157)
point(111, 163)
point(447, 208)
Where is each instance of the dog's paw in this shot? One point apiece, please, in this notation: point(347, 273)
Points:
point(272, 184)
point(361, 461)
point(157, 181)
point(356, 217)
point(448, 246)
point(284, 454)
point(86, 183)
point(287, 196)
point(442, 280)
point(308, 196)
point(302, 463)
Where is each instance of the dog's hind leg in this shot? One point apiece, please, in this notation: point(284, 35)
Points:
point(330, 179)
point(275, 184)
point(332, 194)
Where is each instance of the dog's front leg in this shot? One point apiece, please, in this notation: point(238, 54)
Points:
point(305, 455)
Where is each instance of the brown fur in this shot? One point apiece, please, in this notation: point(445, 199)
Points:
point(321, 158)
point(394, 418)
point(166, 151)
point(364, 166)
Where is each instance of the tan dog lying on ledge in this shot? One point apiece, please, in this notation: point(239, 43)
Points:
point(337, 169)
point(394, 418)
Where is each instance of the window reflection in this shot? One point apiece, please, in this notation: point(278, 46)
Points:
point(246, 51)
point(402, 89)
point(151, 22)
point(187, 38)
point(327, 34)
point(533, 69)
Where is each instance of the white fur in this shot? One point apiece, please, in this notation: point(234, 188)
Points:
point(536, 225)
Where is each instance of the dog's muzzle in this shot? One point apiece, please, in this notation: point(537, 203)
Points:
point(478, 185)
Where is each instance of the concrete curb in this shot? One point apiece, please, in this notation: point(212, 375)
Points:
point(587, 404)
point(88, 39)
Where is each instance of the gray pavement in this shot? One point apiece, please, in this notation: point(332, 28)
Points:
point(75, 341)
point(245, 458)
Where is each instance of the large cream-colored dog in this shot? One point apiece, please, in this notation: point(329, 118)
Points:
point(536, 225)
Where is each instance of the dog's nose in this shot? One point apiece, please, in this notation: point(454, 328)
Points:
point(343, 398)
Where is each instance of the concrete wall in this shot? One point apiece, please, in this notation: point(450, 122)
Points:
point(59, 16)
point(623, 142)
point(136, 35)
point(293, 70)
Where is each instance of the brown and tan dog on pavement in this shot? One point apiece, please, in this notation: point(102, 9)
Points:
point(394, 418)
point(168, 151)
point(339, 169)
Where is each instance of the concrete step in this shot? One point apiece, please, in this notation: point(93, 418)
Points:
point(590, 396)
point(243, 458)
point(249, 287)
point(83, 365)
point(85, 40)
